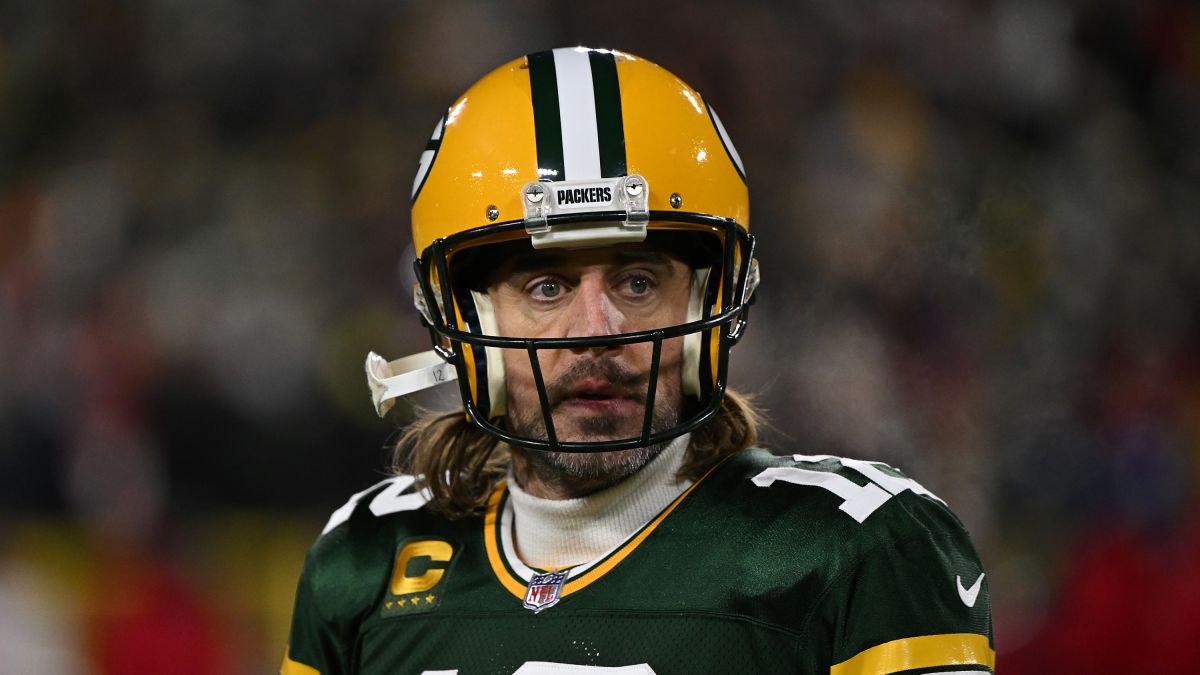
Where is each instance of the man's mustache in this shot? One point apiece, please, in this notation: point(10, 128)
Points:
point(630, 383)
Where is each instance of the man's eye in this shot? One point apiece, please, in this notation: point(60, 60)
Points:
point(548, 289)
point(639, 285)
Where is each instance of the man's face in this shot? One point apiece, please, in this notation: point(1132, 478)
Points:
point(598, 393)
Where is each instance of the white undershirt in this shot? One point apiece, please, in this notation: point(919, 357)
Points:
point(556, 533)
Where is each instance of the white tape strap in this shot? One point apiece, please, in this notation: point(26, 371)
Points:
point(393, 379)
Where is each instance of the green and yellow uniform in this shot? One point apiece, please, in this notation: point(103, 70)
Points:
point(793, 564)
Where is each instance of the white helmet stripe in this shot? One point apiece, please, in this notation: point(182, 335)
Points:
point(725, 141)
point(577, 114)
point(427, 157)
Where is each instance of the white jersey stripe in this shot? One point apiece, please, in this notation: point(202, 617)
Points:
point(577, 112)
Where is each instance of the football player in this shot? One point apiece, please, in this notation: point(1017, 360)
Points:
point(597, 506)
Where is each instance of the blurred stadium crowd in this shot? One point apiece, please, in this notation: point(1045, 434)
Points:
point(979, 226)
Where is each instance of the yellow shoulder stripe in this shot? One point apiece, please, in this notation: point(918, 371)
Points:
point(925, 651)
point(492, 547)
point(290, 667)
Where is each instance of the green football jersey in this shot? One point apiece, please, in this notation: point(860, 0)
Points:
point(800, 564)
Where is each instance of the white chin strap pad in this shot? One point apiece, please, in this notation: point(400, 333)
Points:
point(692, 341)
point(392, 379)
point(752, 279)
point(497, 391)
point(419, 303)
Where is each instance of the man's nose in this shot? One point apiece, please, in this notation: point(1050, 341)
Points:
point(593, 313)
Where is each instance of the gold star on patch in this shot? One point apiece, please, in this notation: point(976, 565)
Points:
point(388, 604)
point(429, 599)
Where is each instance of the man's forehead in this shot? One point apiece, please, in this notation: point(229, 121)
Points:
point(621, 254)
point(480, 266)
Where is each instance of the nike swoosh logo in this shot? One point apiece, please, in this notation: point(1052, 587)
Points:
point(968, 595)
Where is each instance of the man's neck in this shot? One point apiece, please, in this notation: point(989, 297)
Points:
point(554, 533)
point(542, 476)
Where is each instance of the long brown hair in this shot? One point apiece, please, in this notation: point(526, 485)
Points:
point(460, 464)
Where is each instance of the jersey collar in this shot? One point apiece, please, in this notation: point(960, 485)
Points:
point(515, 575)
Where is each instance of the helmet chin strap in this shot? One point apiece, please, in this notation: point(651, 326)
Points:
point(392, 379)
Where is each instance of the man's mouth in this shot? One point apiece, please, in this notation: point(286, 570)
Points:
point(597, 388)
point(595, 392)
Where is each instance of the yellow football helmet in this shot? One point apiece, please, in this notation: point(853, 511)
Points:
point(575, 148)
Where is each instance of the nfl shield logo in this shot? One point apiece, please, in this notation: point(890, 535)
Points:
point(545, 590)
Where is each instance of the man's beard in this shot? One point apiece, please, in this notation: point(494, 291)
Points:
point(606, 467)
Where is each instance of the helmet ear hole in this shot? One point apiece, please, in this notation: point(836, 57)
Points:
point(692, 342)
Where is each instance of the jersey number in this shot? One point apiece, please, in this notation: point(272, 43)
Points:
point(859, 501)
point(397, 496)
